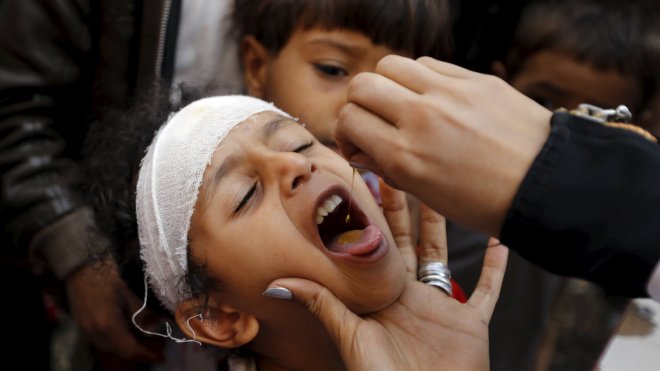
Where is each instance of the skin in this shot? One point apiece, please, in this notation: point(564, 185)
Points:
point(555, 79)
point(100, 302)
point(309, 77)
point(291, 170)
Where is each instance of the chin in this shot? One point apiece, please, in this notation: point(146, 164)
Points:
point(375, 295)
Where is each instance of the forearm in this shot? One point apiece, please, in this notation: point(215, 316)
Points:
point(36, 181)
point(44, 70)
point(589, 206)
point(41, 209)
point(70, 242)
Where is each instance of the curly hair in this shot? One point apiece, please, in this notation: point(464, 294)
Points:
point(113, 150)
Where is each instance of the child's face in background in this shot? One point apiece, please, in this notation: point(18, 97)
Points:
point(309, 77)
point(256, 220)
point(557, 80)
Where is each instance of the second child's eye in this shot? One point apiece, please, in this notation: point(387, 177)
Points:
point(331, 70)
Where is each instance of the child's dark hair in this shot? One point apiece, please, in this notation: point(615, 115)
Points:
point(608, 34)
point(112, 153)
point(414, 27)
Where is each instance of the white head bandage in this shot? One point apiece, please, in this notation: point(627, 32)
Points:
point(169, 180)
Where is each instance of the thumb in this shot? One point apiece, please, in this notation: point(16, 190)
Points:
point(339, 321)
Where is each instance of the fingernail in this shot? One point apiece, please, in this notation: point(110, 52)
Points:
point(278, 293)
point(357, 165)
point(493, 242)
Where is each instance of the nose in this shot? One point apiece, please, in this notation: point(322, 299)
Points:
point(292, 170)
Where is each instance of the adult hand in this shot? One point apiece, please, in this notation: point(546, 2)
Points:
point(102, 306)
point(424, 328)
point(463, 140)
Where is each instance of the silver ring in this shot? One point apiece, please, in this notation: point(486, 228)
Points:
point(436, 274)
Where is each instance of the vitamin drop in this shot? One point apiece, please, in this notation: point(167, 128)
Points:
point(350, 200)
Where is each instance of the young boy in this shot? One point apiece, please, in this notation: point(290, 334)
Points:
point(232, 194)
point(301, 54)
point(268, 174)
point(569, 52)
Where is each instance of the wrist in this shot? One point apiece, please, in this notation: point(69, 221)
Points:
point(69, 243)
point(525, 146)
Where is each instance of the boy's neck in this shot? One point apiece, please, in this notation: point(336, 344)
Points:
point(299, 343)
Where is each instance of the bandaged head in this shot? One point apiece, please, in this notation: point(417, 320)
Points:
point(170, 176)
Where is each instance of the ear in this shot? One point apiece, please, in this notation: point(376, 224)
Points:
point(219, 325)
point(498, 69)
point(255, 60)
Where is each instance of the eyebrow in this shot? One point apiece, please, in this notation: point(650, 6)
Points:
point(354, 50)
point(232, 161)
point(270, 128)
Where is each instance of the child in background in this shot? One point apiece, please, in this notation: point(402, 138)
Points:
point(650, 117)
point(301, 54)
point(567, 52)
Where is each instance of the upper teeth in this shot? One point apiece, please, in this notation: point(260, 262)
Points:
point(328, 206)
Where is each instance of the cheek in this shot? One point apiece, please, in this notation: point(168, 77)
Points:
point(276, 250)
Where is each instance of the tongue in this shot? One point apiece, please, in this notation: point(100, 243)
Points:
point(356, 242)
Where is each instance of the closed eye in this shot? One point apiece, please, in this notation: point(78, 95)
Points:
point(303, 147)
point(246, 198)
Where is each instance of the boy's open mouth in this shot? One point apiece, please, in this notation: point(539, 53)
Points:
point(345, 229)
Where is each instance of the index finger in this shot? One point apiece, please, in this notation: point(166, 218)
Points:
point(444, 68)
point(367, 126)
point(382, 95)
point(395, 208)
point(363, 136)
point(418, 75)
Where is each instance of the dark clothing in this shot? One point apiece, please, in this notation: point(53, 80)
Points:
point(589, 206)
point(63, 64)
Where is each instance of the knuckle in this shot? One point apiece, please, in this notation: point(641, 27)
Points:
point(102, 325)
point(400, 164)
point(343, 116)
point(358, 84)
point(386, 62)
point(424, 58)
point(494, 81)
point(486, 286)
point(403, 240)
point(431, 217)
point(315, 302)
point(394, 204)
